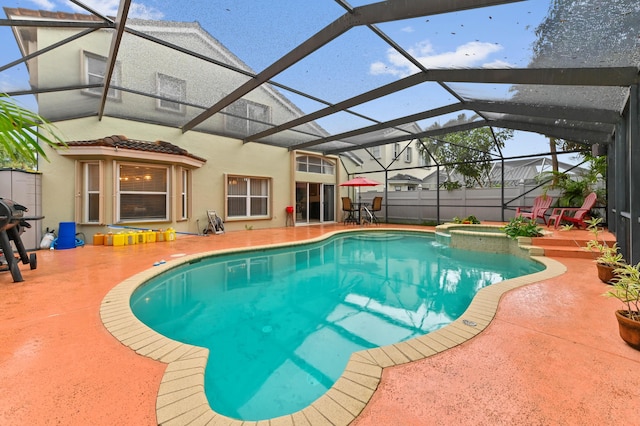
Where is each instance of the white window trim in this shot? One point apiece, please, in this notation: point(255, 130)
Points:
point(115, 78)
point(408, 153)
point(247, 197)
point(82, 202)
point(396, 150)
point(182, 97)
point(376, 152)
point(247, 119)
point(327, 167)
point(184, 194)
point(118, 193)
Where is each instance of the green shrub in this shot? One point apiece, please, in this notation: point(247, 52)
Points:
point(468, 219)
point(521, 227)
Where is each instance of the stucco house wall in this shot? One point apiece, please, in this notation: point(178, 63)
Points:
point(223, 155)
point(135, 114)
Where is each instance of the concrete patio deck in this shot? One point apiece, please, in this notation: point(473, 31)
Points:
point(551, 355)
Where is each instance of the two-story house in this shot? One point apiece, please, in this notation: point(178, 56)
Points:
point(400, 164)
point(129, 163)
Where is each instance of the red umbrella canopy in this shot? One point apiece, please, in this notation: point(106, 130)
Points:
point(360, 181)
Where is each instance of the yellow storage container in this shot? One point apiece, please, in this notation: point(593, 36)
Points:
point(160, 236)
point(98, 239)
point(108, 239)
point(131, 238)
point(150, 236)
point(119, 239)
point(170, 234)
point(141, 237)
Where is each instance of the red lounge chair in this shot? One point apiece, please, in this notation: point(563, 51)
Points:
point(540, 205)
point(573, 215)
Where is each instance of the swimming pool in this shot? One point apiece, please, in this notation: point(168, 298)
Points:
point(284, 321)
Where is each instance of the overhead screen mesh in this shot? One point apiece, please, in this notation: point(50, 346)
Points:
point(194, 66)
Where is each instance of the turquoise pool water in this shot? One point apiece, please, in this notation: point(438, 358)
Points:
point(281, 323)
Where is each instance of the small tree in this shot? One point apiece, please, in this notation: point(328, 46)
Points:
point(468, 152)
point(20, 131)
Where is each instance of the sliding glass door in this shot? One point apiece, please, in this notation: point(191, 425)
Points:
point(315, 202)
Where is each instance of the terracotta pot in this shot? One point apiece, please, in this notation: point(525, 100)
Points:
point(605, 273)
point(629, 329)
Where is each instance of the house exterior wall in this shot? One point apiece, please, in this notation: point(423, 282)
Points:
point(137, 116)
point(224, 156)
point(139, 61)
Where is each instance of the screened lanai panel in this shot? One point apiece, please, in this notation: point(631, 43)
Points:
point(14, 75)
point(589, 33)
point(576, 131)
point(410, 101)
point(14, 79)
point(257, 32)
point(68, 104)
point(79, 61)
point(380, 136)
point(610, 98)
point(332, 72)
point(342, 122)
point(292, 138)
point(561, 123)
point(164, 85)
point(450, 120)
point(329, 147)
point(497, 36)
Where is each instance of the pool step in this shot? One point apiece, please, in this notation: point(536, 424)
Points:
point(556, 246)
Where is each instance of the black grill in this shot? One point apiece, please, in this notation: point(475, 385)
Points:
point(11, 214)
point(11, 220)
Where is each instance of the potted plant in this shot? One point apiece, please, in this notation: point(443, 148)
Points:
point(608, 257)
point(627, 289)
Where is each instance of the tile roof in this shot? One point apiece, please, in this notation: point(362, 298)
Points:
point(119, 141)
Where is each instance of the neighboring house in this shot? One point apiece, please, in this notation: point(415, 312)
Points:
point(399, 157)
point(516, 172)
point(404, 182)
point(154, 175)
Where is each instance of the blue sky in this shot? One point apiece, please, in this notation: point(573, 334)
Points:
point(260, 32)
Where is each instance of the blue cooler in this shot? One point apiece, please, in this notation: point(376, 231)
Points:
point(66, 236)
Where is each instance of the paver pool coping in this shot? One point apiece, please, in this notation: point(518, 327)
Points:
point(181, 397)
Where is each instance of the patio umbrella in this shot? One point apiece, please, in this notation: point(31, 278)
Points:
point(359, 181)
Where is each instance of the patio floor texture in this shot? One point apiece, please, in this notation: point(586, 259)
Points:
point(551, 356)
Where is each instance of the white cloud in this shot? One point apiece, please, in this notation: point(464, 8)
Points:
point(407, 29)
point(497, 64)
point(44, 4)
point(105, 7)
point(139, 10)
point(472, 54)
point(5, 87)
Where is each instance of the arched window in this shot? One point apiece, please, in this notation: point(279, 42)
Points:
point(311, 164)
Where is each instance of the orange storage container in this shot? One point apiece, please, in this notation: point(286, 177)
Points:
point(98, 239)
